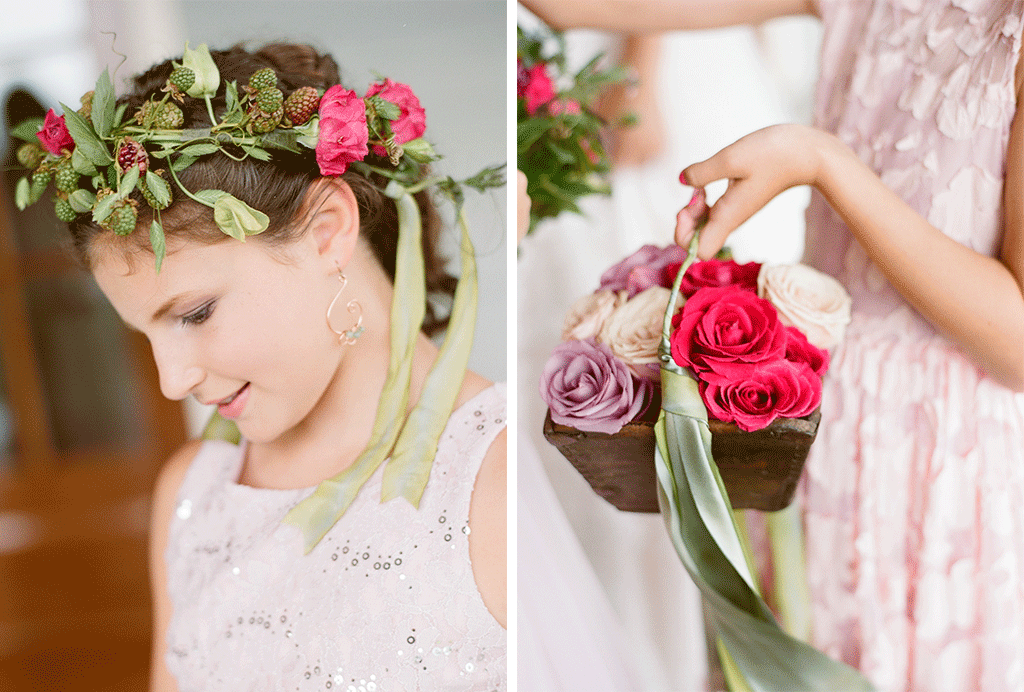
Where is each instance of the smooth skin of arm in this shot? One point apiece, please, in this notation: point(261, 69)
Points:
point(637, 16)
point(167, 484)
point(975, 300)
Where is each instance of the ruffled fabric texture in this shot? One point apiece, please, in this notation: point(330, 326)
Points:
point(914, 492)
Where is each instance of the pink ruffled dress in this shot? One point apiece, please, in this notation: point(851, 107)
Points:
point(386, 601)
point(914, 493)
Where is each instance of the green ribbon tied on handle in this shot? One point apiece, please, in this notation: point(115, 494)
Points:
point(756, 653)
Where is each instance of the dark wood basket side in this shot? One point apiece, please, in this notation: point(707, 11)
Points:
point(760, 469)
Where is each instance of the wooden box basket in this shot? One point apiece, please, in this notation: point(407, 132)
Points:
point(760, 469)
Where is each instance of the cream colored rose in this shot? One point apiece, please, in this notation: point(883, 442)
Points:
point(633, 330)
point(587, 315)
point(807, 299)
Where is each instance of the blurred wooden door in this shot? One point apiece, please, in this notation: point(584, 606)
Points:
point(83, 432)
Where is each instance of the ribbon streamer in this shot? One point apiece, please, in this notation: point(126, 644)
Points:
point(756, 653)
point(316, 514)
point(408, 470)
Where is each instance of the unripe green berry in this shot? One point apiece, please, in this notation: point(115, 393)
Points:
point(64, 211)
point(263, 79)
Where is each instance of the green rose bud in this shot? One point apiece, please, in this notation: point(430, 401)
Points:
point(205, 70)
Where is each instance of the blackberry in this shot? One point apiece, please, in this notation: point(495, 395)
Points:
point(66, 177)
point(269, 100)
point(301, 104)
point(182, 78)
point(132, 153)
point(64, 211)
point(263, 79)
point(163, 116)
point(30, 155)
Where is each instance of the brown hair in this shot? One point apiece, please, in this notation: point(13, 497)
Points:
point(276, 187)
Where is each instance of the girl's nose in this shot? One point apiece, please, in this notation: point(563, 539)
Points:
point(180, 374)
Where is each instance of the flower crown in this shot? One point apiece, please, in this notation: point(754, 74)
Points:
point(98, 155)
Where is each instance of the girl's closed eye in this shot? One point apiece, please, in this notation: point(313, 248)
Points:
point(199, 315)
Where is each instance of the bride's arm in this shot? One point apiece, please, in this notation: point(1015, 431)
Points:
point(636, 16)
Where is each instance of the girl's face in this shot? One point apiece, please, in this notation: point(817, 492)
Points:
point(232, 325)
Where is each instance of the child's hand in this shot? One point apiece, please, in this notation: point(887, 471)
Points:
point(758, 167)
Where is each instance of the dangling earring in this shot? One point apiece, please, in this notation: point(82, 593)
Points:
point(349, 336)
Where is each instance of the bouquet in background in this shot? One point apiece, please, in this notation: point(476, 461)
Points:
point(755, 336)
point(558, 135)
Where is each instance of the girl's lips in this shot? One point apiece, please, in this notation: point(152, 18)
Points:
point(232, 408)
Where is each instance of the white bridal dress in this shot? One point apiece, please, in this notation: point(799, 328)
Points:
point(603, 601)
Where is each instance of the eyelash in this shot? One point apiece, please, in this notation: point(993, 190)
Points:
point(198, 316)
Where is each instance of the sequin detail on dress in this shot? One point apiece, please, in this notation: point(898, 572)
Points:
point(914, 492)
point(386, 601)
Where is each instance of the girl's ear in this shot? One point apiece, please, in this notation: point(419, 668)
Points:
point(334, 220)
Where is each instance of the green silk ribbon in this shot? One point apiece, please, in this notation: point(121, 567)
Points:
point(411, 442)
point(408, 470)
point(756, 653)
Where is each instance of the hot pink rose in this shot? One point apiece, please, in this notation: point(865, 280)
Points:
point(714, 273)
point(412, 122)
point(800, 350)
point(55, 136)
point(539, 89)
point(641, 270)
point(587, 387)
point(755, 395)
point(722, 329)
point(343, 133)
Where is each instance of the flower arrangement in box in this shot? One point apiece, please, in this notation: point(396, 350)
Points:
point(756, 338)
point(558, 134)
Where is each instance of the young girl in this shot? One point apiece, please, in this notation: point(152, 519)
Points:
point(289, 334)
point(914, 492)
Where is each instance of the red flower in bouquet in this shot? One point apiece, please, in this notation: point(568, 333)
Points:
point(754, 395)
point(800, 350)
point(722, 329)
point(643, 269)
point(711, 273)
point(539, 89)
point(412, 122)
point(585, 386)
point(55, 136)
point(343, 132)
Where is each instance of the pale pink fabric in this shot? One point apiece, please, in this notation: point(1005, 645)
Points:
point(386, 601)
point(914, 494)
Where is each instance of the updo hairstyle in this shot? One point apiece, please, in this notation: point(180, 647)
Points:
point(276, 187)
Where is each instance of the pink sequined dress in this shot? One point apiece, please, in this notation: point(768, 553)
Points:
point(386, 601)
point(914, 493)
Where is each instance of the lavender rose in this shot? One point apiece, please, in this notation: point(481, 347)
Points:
point(643, 269)
point(586, 387)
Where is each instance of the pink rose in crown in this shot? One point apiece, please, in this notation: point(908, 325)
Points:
point(55, 136)
point(539, 88)
point(343, 133)
point(643, 269)
point(714, 273)
point(412, 122)
point(754, 395)
point(721, 330)
point(586, 387)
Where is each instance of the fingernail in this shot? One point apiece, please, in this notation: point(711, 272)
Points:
point(682, 178)
point(696, 194)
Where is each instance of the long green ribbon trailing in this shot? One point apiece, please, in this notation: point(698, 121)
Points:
point(407, 472)
point(316, 514)
point(757, 654)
